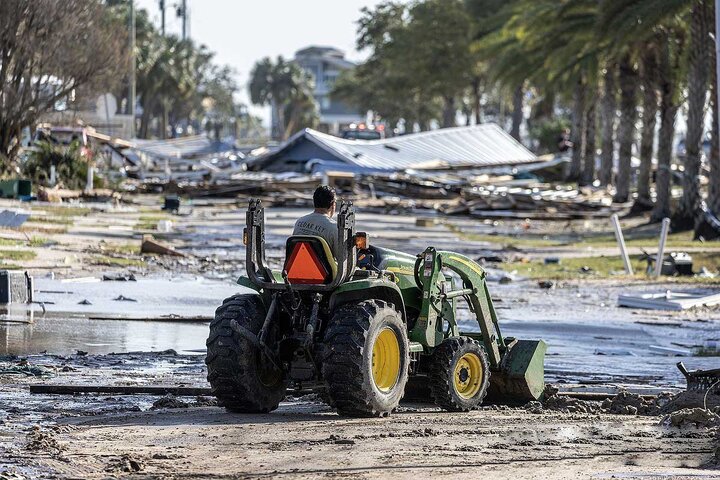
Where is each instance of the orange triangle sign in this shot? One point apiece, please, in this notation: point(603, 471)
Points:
point(304, 267)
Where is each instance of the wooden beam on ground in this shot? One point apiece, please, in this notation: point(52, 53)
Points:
point(119, 390)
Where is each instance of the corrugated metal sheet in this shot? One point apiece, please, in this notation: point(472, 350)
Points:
point(473, 146)
point(183, 147)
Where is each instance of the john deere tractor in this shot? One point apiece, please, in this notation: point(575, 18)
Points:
point(359, 325)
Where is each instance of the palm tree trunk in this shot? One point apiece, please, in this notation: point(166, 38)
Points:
point(668, 111)
point(647, 137)
point(608, 107)
point(576, 131)
point(449, 111)
point(590, 149)
point(684, 218)
point(714, 184)
point(517, 114)
point(627, 78)
point(477, 108)
point(714, 158)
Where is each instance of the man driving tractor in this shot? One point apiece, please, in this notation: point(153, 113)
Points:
point(320, 223)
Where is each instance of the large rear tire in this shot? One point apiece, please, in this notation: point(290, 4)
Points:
point(241, 378)
point(459, 374)
point(366, 359)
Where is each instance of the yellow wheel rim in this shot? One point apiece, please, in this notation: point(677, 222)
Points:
point(386, 360)
point(468, 375)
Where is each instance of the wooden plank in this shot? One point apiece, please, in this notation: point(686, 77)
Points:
point(119, 390)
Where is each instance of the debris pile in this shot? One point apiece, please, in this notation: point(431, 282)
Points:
point(696, 417)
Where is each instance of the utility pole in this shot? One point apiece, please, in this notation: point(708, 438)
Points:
point(162, 17)
point(184, 19)
point(133, 92)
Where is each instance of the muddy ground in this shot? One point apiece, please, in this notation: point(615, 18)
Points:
point(593, 346)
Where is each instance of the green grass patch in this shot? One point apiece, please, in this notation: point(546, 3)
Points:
point(33, 242)
point(55, 220)
point(17, 255)
point(49, 229)
point(9, 242)
point(603, 267)
point(64, 211)
point(116, 261)
point(36, 241)
point(641, 238)
point(149, 222)
point(125, 249)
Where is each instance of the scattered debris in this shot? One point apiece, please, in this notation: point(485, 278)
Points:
point(12, 218)
point(150, 245)
point(119, 277)
point(125, 464)
point(15, 287)
point(85, 302)
point(668, 300)
point(698, 417)
point(24, 368)
point(40, 440)
point(707, 381)
point(169, 401)
point(546, 284)
point(123, 298)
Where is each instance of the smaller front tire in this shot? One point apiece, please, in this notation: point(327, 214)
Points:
point(459, 374)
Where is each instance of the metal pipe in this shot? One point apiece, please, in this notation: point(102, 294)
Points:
point(661, 245)
point(621, 243)
point(458, 293)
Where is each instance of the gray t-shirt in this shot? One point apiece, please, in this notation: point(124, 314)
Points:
point(318, 225)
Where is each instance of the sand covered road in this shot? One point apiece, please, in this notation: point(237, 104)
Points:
point(307, 440)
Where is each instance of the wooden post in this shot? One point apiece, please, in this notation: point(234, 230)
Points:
point(661, 246)
point(621, 243)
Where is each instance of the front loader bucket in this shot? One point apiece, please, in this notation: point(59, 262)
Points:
point(521, 377)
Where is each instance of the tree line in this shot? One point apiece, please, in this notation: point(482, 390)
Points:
point(59, 55)
point(617, 72)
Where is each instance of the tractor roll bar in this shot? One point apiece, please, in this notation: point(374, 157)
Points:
point(263, 277)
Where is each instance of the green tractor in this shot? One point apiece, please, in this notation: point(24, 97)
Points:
point(361, 324)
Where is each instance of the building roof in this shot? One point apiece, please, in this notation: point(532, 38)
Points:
point(474, 146)
point(183, 147)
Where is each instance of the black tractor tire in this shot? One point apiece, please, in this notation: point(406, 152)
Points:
point(240, 377)
point(353, 333)
point(464, 358)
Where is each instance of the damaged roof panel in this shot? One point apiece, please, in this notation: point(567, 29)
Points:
point(473, 146)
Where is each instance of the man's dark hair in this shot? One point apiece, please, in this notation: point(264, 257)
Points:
point(324, 196)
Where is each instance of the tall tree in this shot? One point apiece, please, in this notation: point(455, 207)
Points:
point(608, 107)
point(577, 131)
point(48, 50)
point(280, 84)
point(649, 75)
point(627, 79)
point(698, 77)
point(669, 58)
point(588, 172)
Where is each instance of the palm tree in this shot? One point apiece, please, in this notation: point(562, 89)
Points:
point(649, 74)
point(627, 79)
point(714, 158)
point(608, 107)
point(670, 54)
point(698, 77)
point(278, 85)
point(588, 172)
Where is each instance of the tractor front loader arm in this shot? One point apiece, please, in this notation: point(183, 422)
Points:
point(427, 270)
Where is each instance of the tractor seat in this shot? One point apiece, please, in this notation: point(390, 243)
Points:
point(309, 260)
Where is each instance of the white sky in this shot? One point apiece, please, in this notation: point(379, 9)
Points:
point(242, 31)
